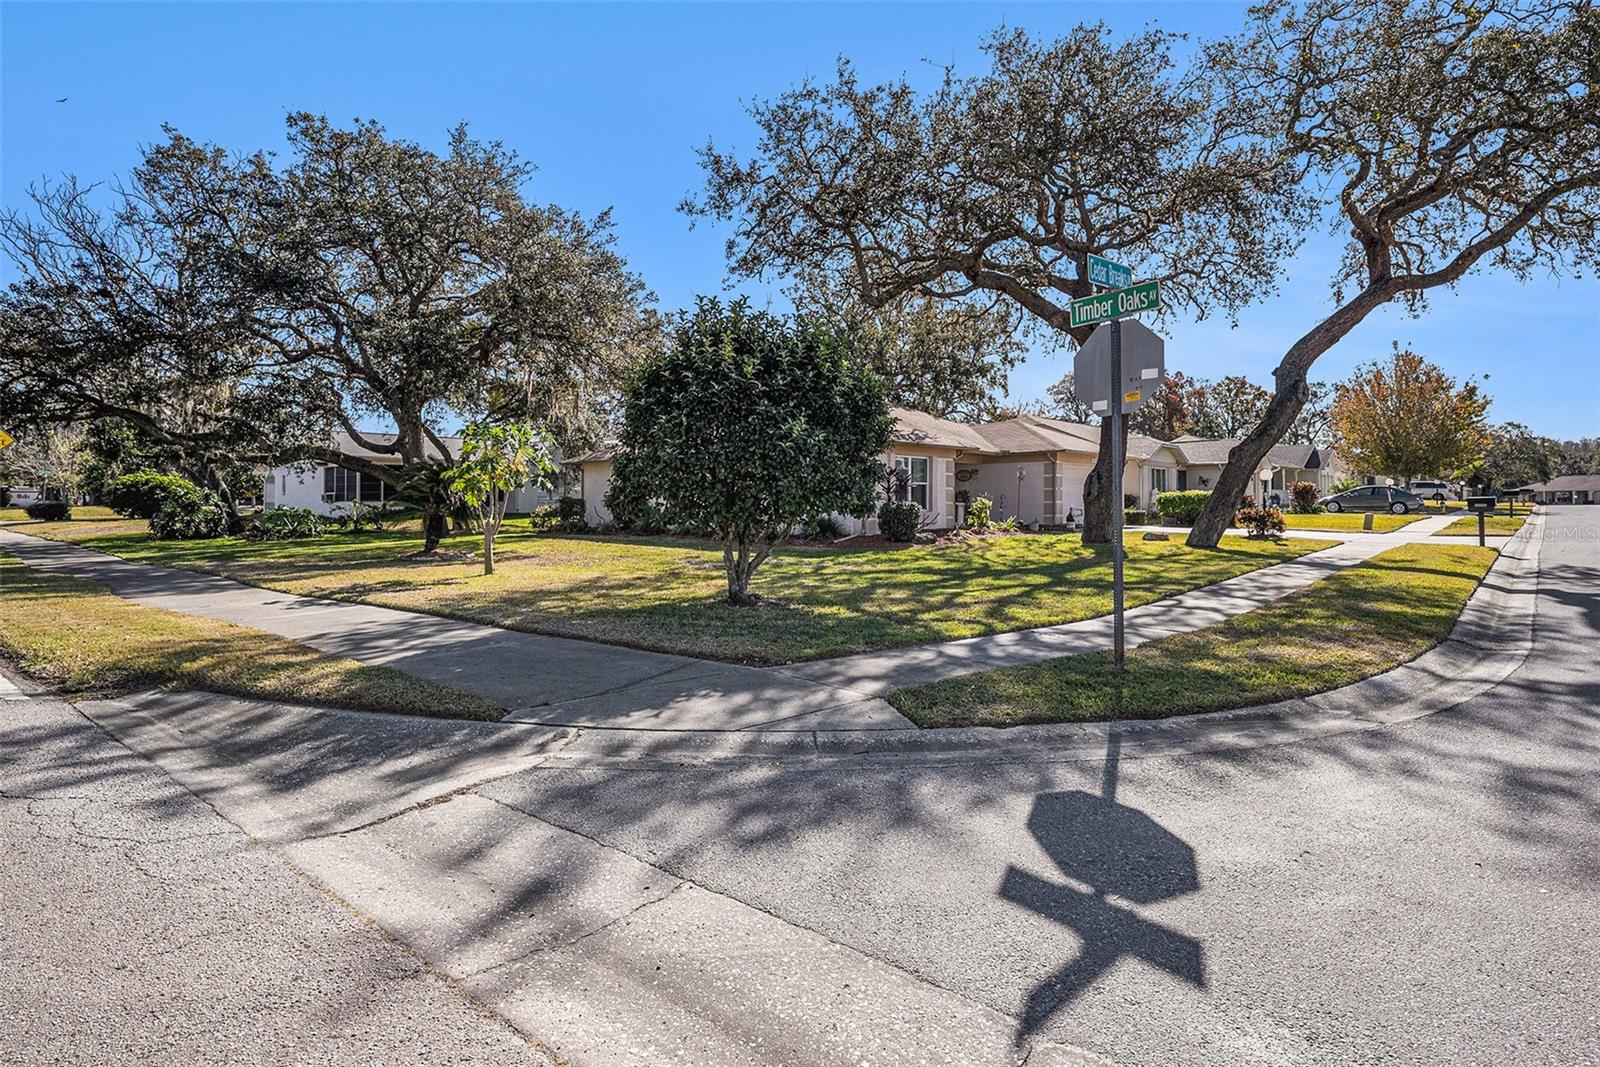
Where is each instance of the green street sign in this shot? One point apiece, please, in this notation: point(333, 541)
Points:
point(1146, 296)
point(1109, 274)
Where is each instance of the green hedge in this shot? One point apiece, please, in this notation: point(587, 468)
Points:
point(140, 495)
point(1182, 506)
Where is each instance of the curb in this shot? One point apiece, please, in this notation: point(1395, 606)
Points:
point(1492, 637)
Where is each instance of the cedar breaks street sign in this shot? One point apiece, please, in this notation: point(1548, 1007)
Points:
point(1146, 296)
point(1107, 274)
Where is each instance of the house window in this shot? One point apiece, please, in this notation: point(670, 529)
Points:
point(372, 490)
point(916, 468)
point(1158, 479)
point(338, 484)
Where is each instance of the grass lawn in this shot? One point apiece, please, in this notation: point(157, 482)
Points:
point(1358, 622)
point(77, 635)
point(1495, 525)
point(1349, 522)
point(81, 513)
point(666, 594)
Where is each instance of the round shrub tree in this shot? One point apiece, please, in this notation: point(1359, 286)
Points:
point(193, 515)
point(140, 495)
point(748, 425)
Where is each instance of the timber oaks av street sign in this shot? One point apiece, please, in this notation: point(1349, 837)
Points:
point(1146, 296)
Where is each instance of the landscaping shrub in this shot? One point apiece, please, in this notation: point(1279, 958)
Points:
point(1135, 517)
point(978, 513)
point(566, 516)
point(570, 510)
point(899, 520)
point(140, 495)
point(49, 510)
point(1129, 500)
point(824, 528)
point(362, 518)
point(285, 524)
point(1182, 506)
point(194, 515)
point(1303, 498)
point(1260, 522)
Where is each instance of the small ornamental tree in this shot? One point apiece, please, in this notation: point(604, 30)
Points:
point(749, 425)
point(1407, 417)
point(497, 460)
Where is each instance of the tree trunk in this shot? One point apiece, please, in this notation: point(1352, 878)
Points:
point(1101, 490)
point(492, 518)
point(433, 527)
point(1243, 462)
point(741, 563)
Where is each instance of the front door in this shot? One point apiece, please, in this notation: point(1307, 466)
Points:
point(1183, 479)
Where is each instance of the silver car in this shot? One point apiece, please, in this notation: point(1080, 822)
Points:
point(1374, 498)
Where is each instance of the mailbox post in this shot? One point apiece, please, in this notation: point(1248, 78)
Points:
point(1483, 505)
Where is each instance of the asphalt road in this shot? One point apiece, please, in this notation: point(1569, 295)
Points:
point(1419, 893)
point(1425, 893)
point(138, 926)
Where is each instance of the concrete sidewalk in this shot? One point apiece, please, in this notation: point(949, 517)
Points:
point(880, 673)
point(548, 679)
point(559, 681)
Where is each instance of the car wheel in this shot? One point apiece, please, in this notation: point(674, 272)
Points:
point(1334, 506)
point(1398, 508)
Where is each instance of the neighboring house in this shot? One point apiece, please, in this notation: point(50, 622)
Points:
point(1202, 460)
point(1031, 468)
point(329, 489)
point(1567, 489)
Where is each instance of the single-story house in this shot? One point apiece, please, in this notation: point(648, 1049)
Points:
point(329, 489)
point(1567, 489)
point(1202, 459)
point(1032, 468)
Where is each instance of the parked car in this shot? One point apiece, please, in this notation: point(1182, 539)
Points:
point(1374, 498)
point(1435, 490)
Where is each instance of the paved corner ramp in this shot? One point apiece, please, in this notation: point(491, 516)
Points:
point(551, 680)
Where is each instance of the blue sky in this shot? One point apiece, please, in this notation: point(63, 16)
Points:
point(610, 101)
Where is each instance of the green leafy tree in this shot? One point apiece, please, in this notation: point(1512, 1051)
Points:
point(496, 461)
point(1001, 184)
point(1440, 136)
point(1516, 456)
point(1407, 418)
point(949, 359)
point(749, 425)
point(1229, 407)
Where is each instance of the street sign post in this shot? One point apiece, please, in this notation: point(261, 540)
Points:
point(1102, 380)
point(1117, 304)
point(1108, 275)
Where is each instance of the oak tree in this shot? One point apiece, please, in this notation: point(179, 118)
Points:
point(1440, 136)
point(1002, 184)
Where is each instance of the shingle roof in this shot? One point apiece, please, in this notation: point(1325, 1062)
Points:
point(1202, 452)
point(919, 428)
point(1035, 433)
point(1564, 484)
